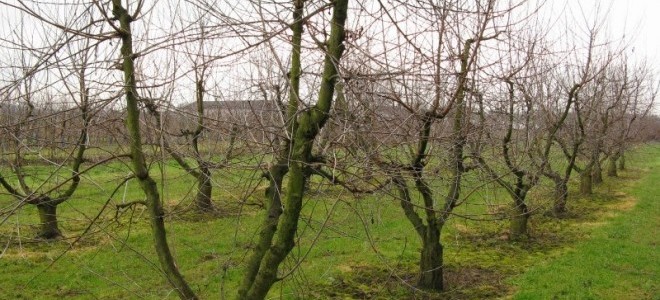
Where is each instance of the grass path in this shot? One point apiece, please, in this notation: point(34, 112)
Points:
point(619, 261)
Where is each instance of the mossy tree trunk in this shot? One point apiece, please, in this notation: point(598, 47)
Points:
point(586, 185)
point(140, 170)
point(561, 197)
point(519, 214)
point(262, 273)
point(274, 210)
point(431, 256)
point(431, 266)
point(561, 181)
point(431, 261)
point(519, 217)
point(622, 162)
point(597, 172)
point(612, 163)
point(611, 167)
point(203, 199)
point(280, 168)
point(48, 226)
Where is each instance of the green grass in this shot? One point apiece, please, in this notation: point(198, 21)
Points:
point(619, 261)
point(347, 248)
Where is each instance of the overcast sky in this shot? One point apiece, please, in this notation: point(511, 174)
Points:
point(640, 19)
point(637, 21)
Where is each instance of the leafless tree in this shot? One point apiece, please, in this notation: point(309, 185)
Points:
point(36, 117)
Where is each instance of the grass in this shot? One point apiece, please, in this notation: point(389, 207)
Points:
point(348, 248)
point(619, 261)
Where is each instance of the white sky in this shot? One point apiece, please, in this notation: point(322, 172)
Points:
point(636, 20)
point(640, 18)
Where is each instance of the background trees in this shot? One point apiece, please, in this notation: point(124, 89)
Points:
point(38, 120)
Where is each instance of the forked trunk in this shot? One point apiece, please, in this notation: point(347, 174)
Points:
point(305, 128)
point(49, 228)
point(276, 175)
point(430, 264)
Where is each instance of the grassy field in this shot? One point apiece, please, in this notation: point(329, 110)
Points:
point(620, 260)
point(353, 248)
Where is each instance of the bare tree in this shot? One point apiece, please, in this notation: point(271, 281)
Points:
point(277, 241)
point(26, 115)
point(140, 170)
point(408, 90)
point(634, 95)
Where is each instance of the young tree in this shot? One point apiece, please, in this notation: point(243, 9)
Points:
point(140, 170)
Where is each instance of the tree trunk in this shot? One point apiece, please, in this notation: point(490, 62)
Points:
point(586, 186)
point(622, 162)
point(430, 263)
point(273, 193)
point(49, 228)
point(203, 201)
point(597, 174)
point(611, 167)
point(139, 166)
point(519, 218)
point(286, 228)
point(561, 196)
point(305, 129)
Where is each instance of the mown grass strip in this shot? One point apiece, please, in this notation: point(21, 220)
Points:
point(620, 261)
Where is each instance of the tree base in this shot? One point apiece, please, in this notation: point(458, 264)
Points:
point(49, 226)
point(49, 235)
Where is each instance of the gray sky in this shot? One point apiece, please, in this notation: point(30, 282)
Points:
point(635, 21)
point(640, 19)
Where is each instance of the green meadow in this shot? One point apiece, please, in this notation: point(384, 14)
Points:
point(348, 247)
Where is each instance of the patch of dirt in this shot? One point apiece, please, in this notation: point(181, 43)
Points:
point(39, 250)
point(370, 282)
point(462, 229)
point(473, 283)
point(624, 202)
point(65, 292)
point(189, 214)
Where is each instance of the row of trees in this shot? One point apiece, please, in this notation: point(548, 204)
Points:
point(401, 100)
